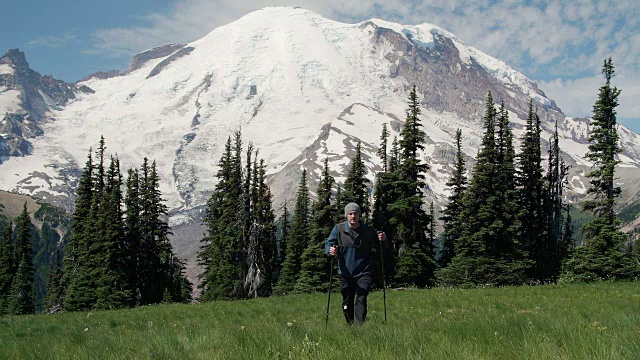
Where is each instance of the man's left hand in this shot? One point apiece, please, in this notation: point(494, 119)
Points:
point(382, 236)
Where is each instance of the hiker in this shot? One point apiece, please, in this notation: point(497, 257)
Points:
point(352, 241)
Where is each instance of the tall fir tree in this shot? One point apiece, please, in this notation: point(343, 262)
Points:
point(284, 225)
point(507, 250)
point(262, 251)
point(450, 215)
point(298, 240)
point(557, 219)
point(488, 251)
point(356, 185)
point(79, 293)
point(8, 267)
point(531, 199)
point(602, 256)
point(239, 252)
point(111, 273)
point(222, 276)
point(409, 222)
point(314, 269)
point(22, 294)
point(133, 231)
point(53, 300)
point(384, 194)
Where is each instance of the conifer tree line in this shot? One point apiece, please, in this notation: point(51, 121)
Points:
point(118, 254)
point(506, 224)
point(17, 273)
point(239, 253)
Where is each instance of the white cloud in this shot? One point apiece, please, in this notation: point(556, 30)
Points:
point(52, 41)
point(576, 97)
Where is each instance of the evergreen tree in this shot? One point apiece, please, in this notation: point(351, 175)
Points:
point(602, 256)
point(8, 267)
point(558, 234)
point(531, 196)
point(507, 248)
point(53, 300)
point(299, 238)
point(458, 185)
point(430, 248)
point(222, 251)
point(215, 257)
point(113, 288)
point(409, 222)
point(315, 267)
point(79, 289)
point(22, 294)
point(488, 251)
point(384, 195)
point(382, 150)
point(158, 268)
point(262, 254)
point(284, 226)
point(133, 231)
point(356, 185)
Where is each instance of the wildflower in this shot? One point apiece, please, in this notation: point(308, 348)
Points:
point(289, 324)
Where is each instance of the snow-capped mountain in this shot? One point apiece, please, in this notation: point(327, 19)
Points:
point(301, 88)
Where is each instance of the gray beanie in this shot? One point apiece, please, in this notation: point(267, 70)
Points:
point(352, 207)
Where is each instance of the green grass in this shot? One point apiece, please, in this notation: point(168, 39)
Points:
point(577, 321)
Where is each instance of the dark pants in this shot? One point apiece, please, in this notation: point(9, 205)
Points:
point(355, 289)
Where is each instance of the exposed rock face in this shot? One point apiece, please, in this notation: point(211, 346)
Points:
point(32, 96)
point(154, 53)
point(177, 55)
point(101, 75)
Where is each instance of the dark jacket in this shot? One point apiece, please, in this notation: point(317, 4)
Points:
point(354, 248)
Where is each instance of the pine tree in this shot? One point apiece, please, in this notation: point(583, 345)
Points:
point(408, 220)
point(133, 232)
point(113, 288)
point(79, 293)
point(315, 267)
point(284, 225)
point(8, 267)
point(356, 185)
point(384, 195)
point(268, 252)
point(299, 237)
point(157, 270)
point(261, 256)
point(22, 294)
point(222, 247)
point(602, 256)
point(507, 250)
point(558, 234)
point(382, 150)
point(53, 300)
point(531, 196)
point(249, 242)
point(450, 218)
point(488, 251)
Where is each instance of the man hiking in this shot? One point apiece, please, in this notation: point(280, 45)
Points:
point(354, 240)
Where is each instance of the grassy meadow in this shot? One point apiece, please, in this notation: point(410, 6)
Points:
point(577, 321)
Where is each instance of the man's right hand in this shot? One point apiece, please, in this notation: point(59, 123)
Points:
point(333, 250)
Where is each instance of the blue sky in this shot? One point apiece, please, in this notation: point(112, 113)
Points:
point(559, 44)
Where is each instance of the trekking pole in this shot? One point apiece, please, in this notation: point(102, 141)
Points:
point(326, 322)
point(384, 286)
